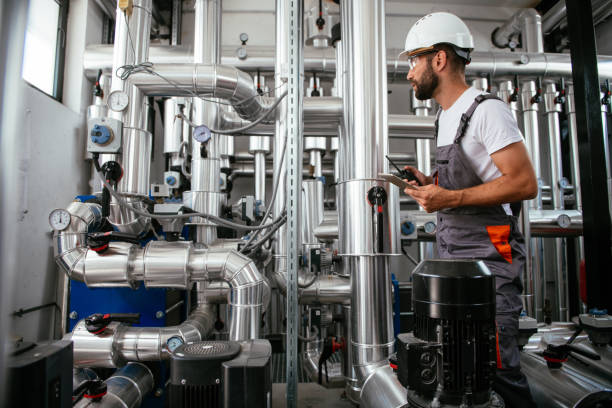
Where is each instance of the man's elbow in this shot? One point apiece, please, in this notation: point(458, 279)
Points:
point(531, 190)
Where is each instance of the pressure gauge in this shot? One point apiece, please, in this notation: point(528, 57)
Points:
point(118, 100)
point(201, 134)
point(430, 227)
point(244, 37)
point(174, 342)
point(241, 53)
point(564, 221)
point(59, 219)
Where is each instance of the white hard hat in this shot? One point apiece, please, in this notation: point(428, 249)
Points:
point(436, 28)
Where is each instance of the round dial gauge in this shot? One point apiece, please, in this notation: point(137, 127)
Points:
point(118, 101)
point(174, 342)
point(59, 219)
point(244, 37)
point(564, 221)
point(201, 134)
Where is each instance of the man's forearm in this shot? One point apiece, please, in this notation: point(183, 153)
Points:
point(499, 191)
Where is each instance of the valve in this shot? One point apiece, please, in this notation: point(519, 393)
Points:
point(560, 98)
point(515, 94)
point(97, 91)
point(93, 390)
point(330, 346)
point(537, 98)
point(606, 91)
point(101, 134)
point(97, 322)
point(556, 355)
point(112, 172)
point(320, 21)
point(315, 90)
point(98, 241)
point(488, 83)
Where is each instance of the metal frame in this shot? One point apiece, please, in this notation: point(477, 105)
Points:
point(596, 216)
point(295, 77)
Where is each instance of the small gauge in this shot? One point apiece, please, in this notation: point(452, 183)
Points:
point(201, 134)
point(174, 342)
point(564, 221)
point(244, 37)
point(118, 100)
point(59, 219)
point(430, 227)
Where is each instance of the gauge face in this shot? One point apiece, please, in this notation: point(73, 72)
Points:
point(429, 227)
point(244, 37)
point(59, 219)
point(118, 101)
point(201, 134)
point(241, 53)
point(564, 221)
point(174, 342)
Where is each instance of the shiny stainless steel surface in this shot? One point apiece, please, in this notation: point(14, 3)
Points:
point(383, 389)
point(553, 16)
point(165, 264)
point(505, 90)
point(327, 230)
point(604, 120)
point(553, 110)
point(249, 170)
point(312, 209)
point(205, 175)
point(322, 109)
point(120, 343)
point(173, 126)
point(327, 289)
point(496, 63)
point(563, 387)
point(260, 176)
point(135, 161)
point(112, 269)
point(127, 221)
point(126, 388)
point(316, 167)
point(357, 218)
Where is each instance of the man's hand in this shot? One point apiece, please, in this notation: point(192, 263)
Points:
point(433, 198)
point(423, 179)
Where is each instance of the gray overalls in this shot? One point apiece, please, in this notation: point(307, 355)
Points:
point(489, 234)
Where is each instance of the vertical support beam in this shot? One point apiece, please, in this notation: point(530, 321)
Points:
point(596, 216)
point(295, 66)
point(177, 22)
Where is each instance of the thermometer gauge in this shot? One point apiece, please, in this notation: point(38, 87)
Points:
point(118, 101)
point(174, 342)
point(59, 219)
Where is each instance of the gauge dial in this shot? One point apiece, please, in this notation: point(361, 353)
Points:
point(244, 37)
point(201, 134)
point(118, 101)
point(59, 219)
point(174, 342)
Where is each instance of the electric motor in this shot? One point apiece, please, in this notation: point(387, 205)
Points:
point(449, 358)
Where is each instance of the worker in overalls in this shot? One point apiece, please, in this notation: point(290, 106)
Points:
point(482, 172)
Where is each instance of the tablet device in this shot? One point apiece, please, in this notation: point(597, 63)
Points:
point(391, 178)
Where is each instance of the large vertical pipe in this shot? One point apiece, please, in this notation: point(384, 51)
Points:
point(604, 123)
point(206, 171)
point(259, 147)
point(531, 32)
point(340, 142)
point(367, 237)
point(506, 93)
point(552, 109)
point(423, 153)
point(531, 132)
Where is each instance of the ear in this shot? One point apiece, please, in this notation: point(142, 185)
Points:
point(440, 61)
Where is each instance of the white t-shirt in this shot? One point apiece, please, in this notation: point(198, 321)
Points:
point(491, 128)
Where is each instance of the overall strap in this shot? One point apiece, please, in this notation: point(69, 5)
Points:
point(436, 123)
point(467, 116)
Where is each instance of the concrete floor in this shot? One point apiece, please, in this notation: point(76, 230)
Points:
point(311, 395)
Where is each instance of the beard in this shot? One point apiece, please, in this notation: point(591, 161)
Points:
point(427, 85)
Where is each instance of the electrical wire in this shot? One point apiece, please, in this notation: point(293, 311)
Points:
point(214, 218)
point(273, 198)
point(243, 128)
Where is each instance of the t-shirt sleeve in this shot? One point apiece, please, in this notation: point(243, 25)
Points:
point(496, 125)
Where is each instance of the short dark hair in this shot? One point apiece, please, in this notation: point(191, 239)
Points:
point(456, 62)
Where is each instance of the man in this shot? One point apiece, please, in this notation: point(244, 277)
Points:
point(481, 167)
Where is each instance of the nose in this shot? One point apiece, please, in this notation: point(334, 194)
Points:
point(410, 75)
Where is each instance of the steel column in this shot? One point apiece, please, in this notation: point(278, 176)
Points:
point(596, 216)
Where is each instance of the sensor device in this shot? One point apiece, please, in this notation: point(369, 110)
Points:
point(397, 181)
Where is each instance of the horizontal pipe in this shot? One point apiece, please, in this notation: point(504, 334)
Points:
point(120, 343)
point(162, 264)
point(126, 388)
point(327, 289)
point(495, 63)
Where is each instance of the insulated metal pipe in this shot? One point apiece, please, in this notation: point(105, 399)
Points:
point(526, 22)
point(532, 142)
point(366, 240)
point(552, 109)
point(120, 343)
point(526, 64)
point(260, 177)
point(126, 388)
